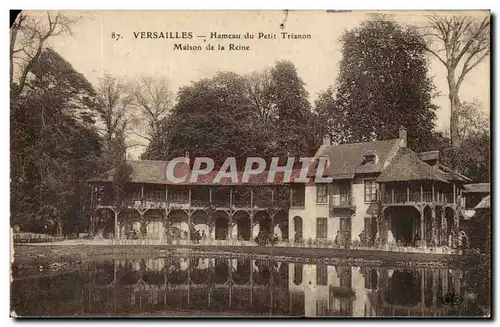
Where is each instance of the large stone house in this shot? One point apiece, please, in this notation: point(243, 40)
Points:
point(381, 193)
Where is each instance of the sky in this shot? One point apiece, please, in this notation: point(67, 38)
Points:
point(92, 51)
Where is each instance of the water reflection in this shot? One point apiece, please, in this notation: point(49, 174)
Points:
point(197, 285)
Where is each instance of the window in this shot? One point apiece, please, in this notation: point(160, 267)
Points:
point(297, 274)
point(321, 193)
point(344, 191)
point(370, 190)
point(298, 195)
point(369, 159)
point(321, 275)
point(321, 228)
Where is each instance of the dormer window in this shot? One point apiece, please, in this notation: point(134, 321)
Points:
point(369, 158)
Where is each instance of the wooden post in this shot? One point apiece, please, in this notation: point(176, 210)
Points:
point(407, 193)
point(189, 197)
point(142, 192)
point(166, 194)
point(251, 198)
point(433, 229)
point(251, 229)
point(291, 196)
point(210, 195)
point(189, 221)
point(392, 189)
point(272, 197)
point(454, 193)
point(456, 229)
point(422, 226)
point(444, 228)
point(230, 198)
point(230, 226)
point(421, 193)
point(433, 191)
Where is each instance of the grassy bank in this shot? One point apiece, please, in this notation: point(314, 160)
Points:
point(28, 255)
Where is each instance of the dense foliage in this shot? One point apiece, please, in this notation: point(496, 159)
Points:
point(383, 83)
point(54, 147)
point(239, 116)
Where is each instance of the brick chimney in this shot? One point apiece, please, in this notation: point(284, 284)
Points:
point(403, 136)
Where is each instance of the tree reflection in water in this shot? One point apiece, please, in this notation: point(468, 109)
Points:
point(242, 286)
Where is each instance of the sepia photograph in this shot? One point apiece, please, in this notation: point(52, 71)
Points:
point(278, 164)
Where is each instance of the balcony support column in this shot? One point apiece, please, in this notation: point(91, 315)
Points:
point(454, 193)
point(456, 230)
point(251, 229)
point(210, 195)
point(422, 226)
point(433, 192)
point(189, 214)
point(433, 228)
point(444, 228)
point(392, 190)
point(407, 193)
point(230, 226)
point(421, 193)
point(231, 198)
point(189, 198)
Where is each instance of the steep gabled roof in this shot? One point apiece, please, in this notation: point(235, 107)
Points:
point(346, 159)
point(407, 166)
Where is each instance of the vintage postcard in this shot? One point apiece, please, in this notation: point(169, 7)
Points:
point(250, 164)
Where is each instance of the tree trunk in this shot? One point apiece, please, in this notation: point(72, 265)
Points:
point(13, 37)
point(454, 107)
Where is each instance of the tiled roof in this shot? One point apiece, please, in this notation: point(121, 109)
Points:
point(407, 166)
point(346, 159)
point(477, 188)
point(154, 172)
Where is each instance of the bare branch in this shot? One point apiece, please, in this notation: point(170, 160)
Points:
point(30, 34)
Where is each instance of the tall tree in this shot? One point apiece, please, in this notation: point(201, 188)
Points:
point(289, 97)
point(112, 105)
point(331, 120)
point(54, 146)
point(384, 83)
point(153, 100)
point(213, 118)
point(460, 43)
point(28, 37)
point(471, 154)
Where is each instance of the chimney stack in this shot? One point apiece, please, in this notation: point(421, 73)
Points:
point(403, 136)
point(327, 139)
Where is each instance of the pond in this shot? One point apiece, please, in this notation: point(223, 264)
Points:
point(216, 286)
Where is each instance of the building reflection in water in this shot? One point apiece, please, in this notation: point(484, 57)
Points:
point(253, 287)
